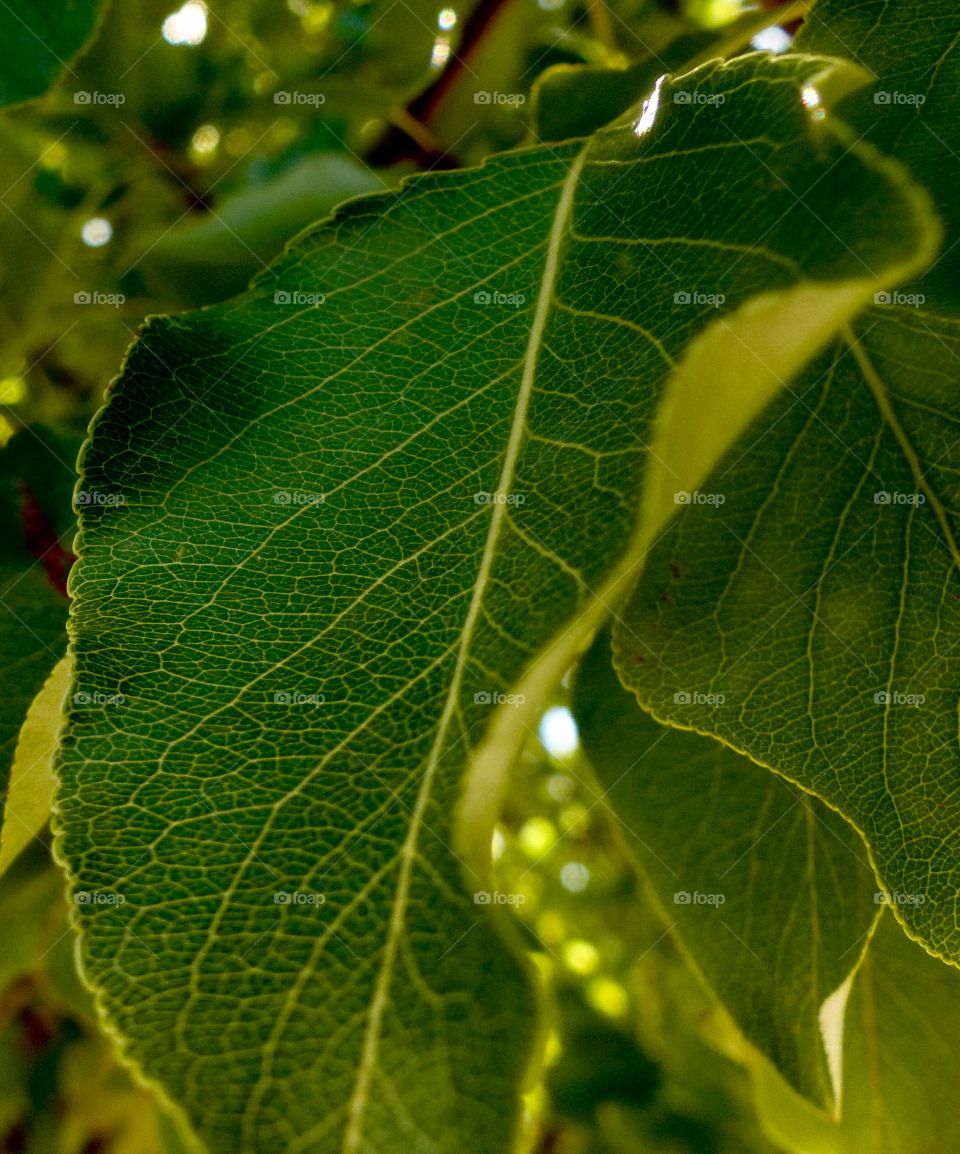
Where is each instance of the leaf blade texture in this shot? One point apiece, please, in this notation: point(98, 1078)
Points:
point(347, 521)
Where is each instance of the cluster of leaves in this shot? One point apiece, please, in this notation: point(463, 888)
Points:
point(622, 383)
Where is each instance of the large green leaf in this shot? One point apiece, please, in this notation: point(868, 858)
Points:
point(821, 599)
point(769, 891)
point(39, 40)
point(900, 1061)
point(333, 532)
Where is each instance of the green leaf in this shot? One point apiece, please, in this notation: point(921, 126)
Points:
point(900, 1061)
point(218, 257)
point(769, 892)
point(821, 598)
point(331, 535)
point(578, 99)
point(39, 40)
point(910, 109)
point(30, 792)
point(36, 478)
point(826, 617)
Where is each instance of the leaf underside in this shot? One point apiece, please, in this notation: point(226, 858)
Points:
point(340, 515)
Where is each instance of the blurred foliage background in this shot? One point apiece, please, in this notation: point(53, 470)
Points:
point(168, 165)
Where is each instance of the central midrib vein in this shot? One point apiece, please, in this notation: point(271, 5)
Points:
point(353, 1134)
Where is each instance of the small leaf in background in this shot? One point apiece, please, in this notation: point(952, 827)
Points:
point(218, 257)
point(39, 40)
point(30, 792)
point(36, 527)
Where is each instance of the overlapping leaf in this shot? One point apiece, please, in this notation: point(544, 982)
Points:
point(900, 1061)
point(577, 99)
point(339, 519)
point(822, 598)
point(910, 108)
point(769, 891)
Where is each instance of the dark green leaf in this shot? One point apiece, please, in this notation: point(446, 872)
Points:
point(344, 518)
